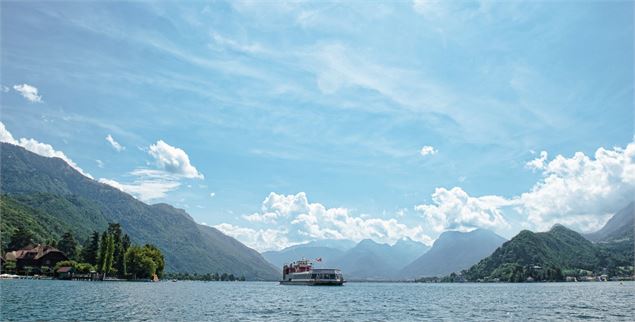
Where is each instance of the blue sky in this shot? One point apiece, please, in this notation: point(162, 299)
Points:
point(281, 122)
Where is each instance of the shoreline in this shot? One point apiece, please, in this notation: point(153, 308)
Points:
point(277, 282)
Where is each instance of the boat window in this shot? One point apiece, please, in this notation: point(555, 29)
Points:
point(313, 276)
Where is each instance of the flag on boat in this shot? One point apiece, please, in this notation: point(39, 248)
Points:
point(319, 259)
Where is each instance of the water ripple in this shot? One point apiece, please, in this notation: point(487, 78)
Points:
point(28, 300)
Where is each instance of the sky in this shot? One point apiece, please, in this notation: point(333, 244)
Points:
point(289, 121)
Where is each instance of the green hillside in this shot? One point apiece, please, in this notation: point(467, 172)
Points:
point(548, 256)
point(44, 189)
point(17, 216)
point(64, 213)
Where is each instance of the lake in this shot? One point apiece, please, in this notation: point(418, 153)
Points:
point(240, 301)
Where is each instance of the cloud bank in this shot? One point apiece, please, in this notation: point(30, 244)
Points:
point(299, 220)
point(580, 191)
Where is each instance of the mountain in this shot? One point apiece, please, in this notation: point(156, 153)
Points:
point(407, 250)
point(340, 244)
point(370, 260)
point(619, 227)
point(309, 251)
point(452, 252)
point(545, 256)
point(16, 215)
point(48, 193)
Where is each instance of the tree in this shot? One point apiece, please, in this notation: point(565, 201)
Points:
point(108, 260)
point(90, 253)
point(156, 255)
point(51, 242)
point(114, 230)
point(84, 268)
point(20, 239)
point(143, 262)
point(125, 244)
point(106, 250)
point(102, 252)
point(68, 245)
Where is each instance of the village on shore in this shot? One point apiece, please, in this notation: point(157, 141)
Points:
point(109, 256)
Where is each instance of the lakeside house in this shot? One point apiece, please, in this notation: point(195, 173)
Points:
point(65, 273)
point(35, 256)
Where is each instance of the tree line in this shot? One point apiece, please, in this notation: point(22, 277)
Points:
point(110, 253)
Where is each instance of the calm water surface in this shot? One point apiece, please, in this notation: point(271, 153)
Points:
point(240, 301)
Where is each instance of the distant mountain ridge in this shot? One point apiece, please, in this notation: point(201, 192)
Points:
point(68, 199)
point(370, 260)
point(621, 226)
point(453, 251)
point(327, 250)
point(366, 260)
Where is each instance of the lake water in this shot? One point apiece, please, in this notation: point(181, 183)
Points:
point(240, 301)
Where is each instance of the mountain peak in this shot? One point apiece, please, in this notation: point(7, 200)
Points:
point(368, 242)
point(559, 228)
point(454, 251)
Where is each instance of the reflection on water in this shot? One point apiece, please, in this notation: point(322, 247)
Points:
point(239, 301)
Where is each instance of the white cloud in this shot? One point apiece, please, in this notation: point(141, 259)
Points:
point(212, 194)
point(144, 189)
point(582, 187)
point(29, 92)
point(428, 150)
point(5, 89)
point(259, 239)
point(173, 160)
point(100, 163)
point(455, 209)
point(538, 163)
point(114, 143)
point(42, 149)
point(152, 184)
point(581, 192)
point(305, 221)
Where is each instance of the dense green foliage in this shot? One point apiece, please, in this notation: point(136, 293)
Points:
point(59, 199)
point(549, 256)
point(16, 216)
point(66, 213)
point(20, 238)
point(82, 268)
point(68, 245)
point(144, 262)
point(90, 251)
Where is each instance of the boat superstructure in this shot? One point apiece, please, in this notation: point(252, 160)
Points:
point(303, 273)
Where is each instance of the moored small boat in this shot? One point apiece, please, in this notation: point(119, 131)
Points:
point(303, 273)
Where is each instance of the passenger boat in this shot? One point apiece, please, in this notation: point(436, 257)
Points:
point(303, 273)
